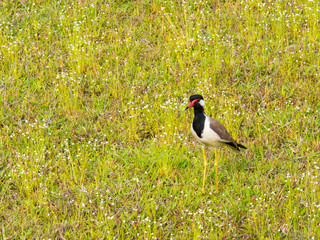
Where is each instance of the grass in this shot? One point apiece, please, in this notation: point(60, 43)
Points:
point(94, 142)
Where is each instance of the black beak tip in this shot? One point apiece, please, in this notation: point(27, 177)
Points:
point(187, 108)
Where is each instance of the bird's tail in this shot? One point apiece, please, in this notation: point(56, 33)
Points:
point(235, 146)
point(241, 146)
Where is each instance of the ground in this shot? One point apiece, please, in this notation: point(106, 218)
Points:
point(94, 139)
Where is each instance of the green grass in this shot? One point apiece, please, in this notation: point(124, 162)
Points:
point(94, 139)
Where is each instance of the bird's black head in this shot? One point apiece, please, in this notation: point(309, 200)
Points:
point(195, 101)
point(194, 97)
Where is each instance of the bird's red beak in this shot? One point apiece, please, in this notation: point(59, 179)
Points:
point(192, 103)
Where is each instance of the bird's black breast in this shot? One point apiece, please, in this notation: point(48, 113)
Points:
point(198, 124)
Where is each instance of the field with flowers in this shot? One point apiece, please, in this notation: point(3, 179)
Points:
point(94, 139)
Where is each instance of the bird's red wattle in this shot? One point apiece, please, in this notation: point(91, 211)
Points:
point(193, 102)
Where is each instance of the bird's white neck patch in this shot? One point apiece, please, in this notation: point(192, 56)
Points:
point(201, 102)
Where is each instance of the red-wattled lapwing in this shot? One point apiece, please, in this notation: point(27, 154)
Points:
point(209, 132)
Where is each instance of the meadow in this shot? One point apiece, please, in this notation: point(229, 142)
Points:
point(94, 139)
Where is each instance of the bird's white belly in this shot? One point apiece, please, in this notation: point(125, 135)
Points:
point(208, 137)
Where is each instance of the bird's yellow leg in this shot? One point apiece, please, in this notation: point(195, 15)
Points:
point(216, 167)
point(205, 168)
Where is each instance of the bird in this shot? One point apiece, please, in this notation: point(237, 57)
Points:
point(210, 133)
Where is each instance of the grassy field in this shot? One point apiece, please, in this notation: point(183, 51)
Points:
point(94, 139)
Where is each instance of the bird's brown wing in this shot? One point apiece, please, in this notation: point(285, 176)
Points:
point(225, 136)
